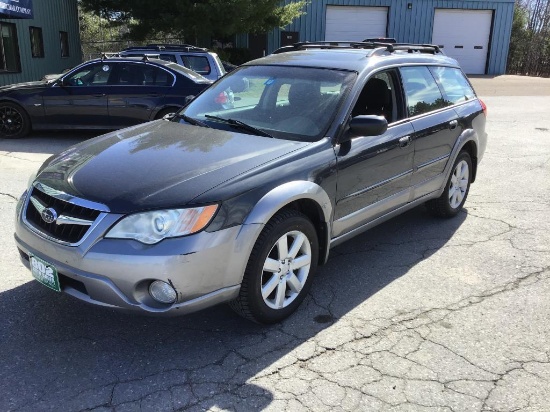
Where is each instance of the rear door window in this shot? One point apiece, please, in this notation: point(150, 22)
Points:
point(456, 88)
point(421, 91)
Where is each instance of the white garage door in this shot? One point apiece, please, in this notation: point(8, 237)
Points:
point(465, 36)
point(355, 23)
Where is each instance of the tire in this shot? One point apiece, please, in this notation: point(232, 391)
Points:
point(456, 190)
point(15, 123)
point(166, 111)
point(273, 284)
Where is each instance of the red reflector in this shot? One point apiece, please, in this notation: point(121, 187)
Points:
point(221, 98)
point(484, 107)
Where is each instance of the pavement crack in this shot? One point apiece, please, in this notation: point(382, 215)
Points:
point(10, 196)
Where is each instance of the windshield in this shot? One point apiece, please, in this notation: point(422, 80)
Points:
point(295, 103)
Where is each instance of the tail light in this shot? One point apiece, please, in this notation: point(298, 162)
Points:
point(484, 107)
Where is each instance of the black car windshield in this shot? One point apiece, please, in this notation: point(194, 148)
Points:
point(295, 103)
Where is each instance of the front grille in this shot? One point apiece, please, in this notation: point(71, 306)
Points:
point(68, 233)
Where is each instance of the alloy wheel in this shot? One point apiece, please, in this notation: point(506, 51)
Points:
point(286, 269)
point(459, 184)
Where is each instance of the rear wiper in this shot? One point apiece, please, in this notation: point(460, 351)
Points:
point(190, 120)
point(239, 124)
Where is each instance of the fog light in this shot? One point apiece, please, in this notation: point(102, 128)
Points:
point(162, 292)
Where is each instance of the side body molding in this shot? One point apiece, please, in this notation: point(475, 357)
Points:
point(287, 193)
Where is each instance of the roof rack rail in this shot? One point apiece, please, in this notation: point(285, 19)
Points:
point(380, 40)
point(162, 46)
point(108, 55)
point(383, 46)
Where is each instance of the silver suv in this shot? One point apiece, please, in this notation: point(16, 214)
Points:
point(200, 60)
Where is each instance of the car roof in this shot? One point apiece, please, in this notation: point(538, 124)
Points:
point(353, 58)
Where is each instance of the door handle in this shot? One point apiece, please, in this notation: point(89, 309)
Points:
point(98, 95)
point(453, 124)
point(405, 141)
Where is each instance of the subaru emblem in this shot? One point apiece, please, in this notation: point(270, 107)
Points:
point(49, 215)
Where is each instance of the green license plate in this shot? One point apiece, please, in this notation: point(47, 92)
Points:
point(45, 273)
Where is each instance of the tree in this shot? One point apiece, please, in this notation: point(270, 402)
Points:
point(193, 19)
point(530, 40)
point(95, 32)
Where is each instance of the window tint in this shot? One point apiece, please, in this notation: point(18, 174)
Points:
point(168, 57)
point(91, 75)
point(155, 76)
point(455, 86)
point(9, 49)
point(190, 74)
point(421, 90)
point(378, 97)
point(133, 74)
point(37, 43)
point(198, 64)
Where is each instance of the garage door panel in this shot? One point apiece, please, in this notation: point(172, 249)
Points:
point(355, 23)
point(469, 29)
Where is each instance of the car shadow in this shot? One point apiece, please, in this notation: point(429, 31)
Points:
point(58, 352)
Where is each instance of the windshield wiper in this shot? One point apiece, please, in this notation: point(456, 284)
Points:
point(240, 124)
point(190, 120)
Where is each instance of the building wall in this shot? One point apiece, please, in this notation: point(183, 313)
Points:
point(52, 16)
point(413, 25)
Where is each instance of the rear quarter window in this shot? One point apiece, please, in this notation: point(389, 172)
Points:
point(453, 83)
point(198, 64)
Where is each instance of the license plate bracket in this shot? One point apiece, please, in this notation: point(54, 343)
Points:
point(45, 273)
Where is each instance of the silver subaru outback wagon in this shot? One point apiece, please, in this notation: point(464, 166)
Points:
point(242, 203)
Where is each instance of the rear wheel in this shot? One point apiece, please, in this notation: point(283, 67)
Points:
point(280, 269)
point(14, 121)
point(457, 188)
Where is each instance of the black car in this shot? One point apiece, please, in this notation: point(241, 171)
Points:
point(99, 94)
point(241, 203)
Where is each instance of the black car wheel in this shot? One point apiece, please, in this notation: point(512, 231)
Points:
point(14, 121)
point(456, 190)
point(280, 269)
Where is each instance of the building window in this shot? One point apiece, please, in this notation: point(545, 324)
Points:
point(37, 43)
point(64, 39)
point(9, 49)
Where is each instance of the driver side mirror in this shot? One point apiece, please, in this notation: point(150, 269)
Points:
point(366, 126)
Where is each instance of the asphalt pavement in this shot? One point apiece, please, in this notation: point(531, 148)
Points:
point(418, 314)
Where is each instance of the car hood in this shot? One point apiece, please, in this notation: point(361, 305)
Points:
point(21, 86)
point(157, 165)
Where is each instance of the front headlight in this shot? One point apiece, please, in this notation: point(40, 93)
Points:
point(152, 227)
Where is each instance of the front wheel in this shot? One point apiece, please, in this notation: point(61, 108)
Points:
point(280, 269)
point(456, 190)
point(14, 121)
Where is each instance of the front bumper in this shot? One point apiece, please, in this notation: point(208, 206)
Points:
point(205, 268)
